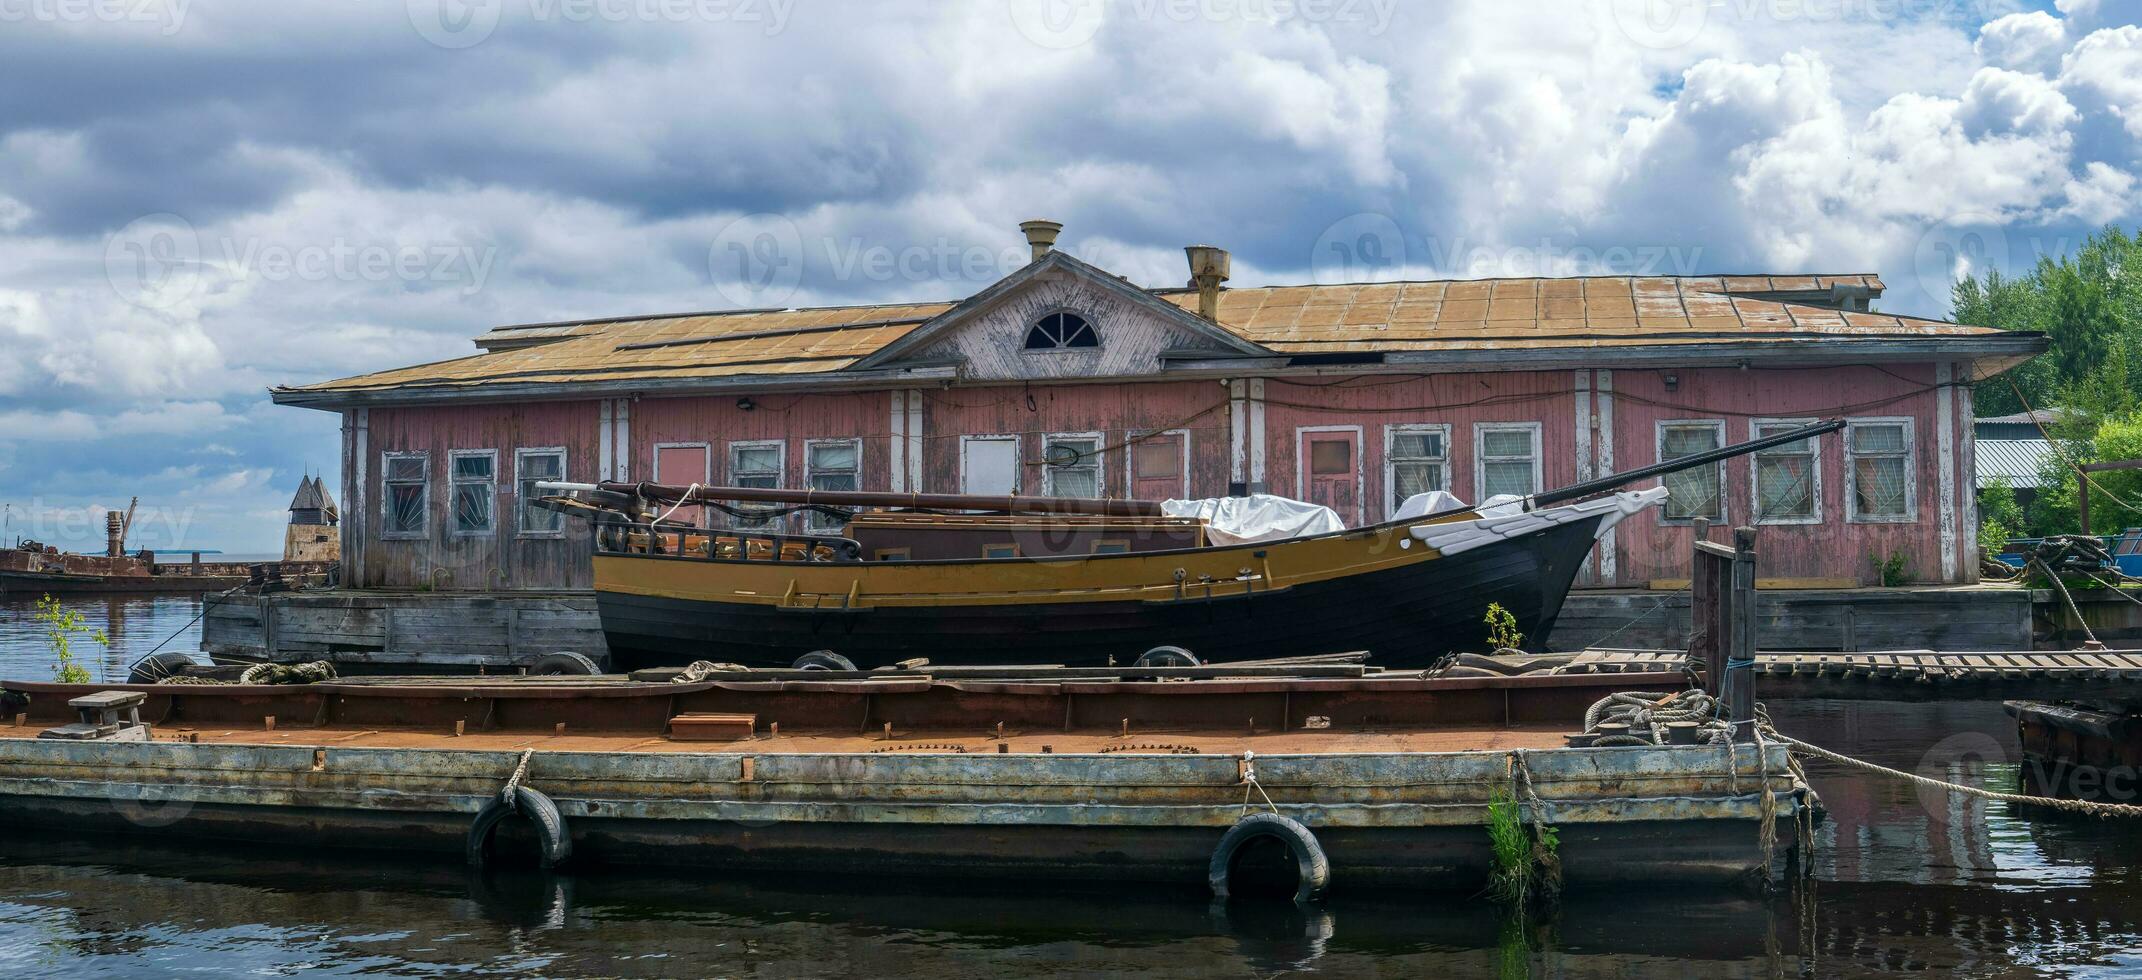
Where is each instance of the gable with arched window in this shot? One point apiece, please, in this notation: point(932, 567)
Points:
point(1061, 330)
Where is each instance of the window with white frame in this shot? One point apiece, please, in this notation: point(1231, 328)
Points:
point(529, 467)
point(835, 465)
point(405, 497)
point(1788, 478)
point(1878, 469)
point(1698, 492)
point(758, 465)
point(1071, 465)
point(1509, 459)
point(473, 475)
point(1416, 460)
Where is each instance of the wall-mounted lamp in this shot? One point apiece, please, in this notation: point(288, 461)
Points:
point(1673, 381)
point(745, 404)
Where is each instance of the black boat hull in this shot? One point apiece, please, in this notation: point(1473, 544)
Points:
point(1407, 617)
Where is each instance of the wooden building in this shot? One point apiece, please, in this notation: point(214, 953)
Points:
point(1065, 379)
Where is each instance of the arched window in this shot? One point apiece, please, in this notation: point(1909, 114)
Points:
point(1061, 331)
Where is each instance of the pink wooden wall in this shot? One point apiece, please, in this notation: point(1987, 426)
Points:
point(793, 419)
point(1115, 411)
point(504, 559)
point(1643, 550)
point(1459, 401)
point(1647, 549)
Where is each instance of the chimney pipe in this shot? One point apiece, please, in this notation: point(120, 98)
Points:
point(1041, 235)
point(1209, 267)
point(114, 537)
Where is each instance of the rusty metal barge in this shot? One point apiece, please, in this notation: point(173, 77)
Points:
point(1331, 774)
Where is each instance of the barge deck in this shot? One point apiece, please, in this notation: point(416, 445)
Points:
point(1390, 776)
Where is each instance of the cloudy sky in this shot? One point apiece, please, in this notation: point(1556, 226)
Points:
point(202, 199)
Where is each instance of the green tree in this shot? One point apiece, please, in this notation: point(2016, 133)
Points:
point(2089, 306)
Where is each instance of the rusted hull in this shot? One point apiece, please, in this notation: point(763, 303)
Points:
point(2072, 751)
point(1414, 821)
point(1408, 616)
point(33, 582)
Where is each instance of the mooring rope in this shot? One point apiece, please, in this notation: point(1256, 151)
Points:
point(1249, 781)
point(2071, 806)
point(513, 782)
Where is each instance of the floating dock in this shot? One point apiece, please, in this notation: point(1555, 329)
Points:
point(1390, 775)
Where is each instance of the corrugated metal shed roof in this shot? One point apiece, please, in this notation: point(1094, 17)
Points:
point(2017, 461)
point(1472, 315)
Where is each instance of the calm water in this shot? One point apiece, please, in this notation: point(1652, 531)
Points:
point(1904, 884)
point(135, 624)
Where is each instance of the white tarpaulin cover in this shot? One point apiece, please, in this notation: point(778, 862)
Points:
point(1440, 501)
point(1257, 517)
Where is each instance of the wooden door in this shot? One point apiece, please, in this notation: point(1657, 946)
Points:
point(989, 465)
point(684, 465)
point(1330, 466)
point(1157, 467)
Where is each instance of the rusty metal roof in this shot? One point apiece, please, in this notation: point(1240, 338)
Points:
point(1469, 315)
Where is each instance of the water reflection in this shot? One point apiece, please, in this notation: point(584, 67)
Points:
point(1904, 882)
point(135, 625)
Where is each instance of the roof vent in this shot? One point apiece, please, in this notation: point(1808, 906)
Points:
point(1041, 235)
point(1209, 267)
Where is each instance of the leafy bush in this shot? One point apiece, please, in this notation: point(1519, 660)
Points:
point(61, 626)
point(1502, 631)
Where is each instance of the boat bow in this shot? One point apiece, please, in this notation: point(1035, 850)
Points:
point(1462, 536)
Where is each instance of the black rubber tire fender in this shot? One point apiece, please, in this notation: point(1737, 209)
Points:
point(156, 667)
point(540, 811)
point(823, 660)
point(1168, 657)
point(564, 663)
point(1312, 868)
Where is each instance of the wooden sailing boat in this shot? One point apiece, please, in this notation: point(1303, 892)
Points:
point(1079, 582)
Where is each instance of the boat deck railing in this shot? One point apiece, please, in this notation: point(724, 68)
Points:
point(727, 544)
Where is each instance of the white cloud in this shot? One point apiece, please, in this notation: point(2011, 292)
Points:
point(2032, 42)
point(206, 237)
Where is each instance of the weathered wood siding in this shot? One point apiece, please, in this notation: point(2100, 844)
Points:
point(790, 419)
point(503, 559)
point(1244, 434)
point(1458, 402)
point(1836, 548)
point(1197, 409)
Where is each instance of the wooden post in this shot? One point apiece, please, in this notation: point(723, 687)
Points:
point(1710, 611)
point(1740, 638)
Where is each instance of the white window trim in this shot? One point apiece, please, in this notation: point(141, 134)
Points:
point(1301, 463)
point(1018, 459)
point(1911, 472)
point(386, 496)
point(1391, 433)
point(706, 468)
point(1480, 431)
point(1099, 459)
point(453, 523)
point(780, 448)
point(1130, 465)
point(814, 520)
point(520, 506)
point(1658, 454)
point(1755, 490)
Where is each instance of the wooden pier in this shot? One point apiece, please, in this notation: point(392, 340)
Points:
point(1912, 675)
